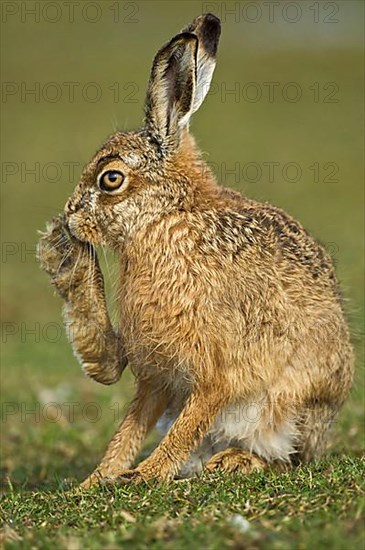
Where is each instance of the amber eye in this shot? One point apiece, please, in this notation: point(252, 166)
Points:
point(111, 180)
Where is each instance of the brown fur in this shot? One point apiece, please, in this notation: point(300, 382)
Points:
point(223, 300)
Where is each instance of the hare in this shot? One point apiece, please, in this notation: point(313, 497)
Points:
point(231, 318)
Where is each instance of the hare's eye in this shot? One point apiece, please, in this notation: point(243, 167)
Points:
point(111, 180)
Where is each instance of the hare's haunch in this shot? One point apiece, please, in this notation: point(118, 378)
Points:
point(230, 314)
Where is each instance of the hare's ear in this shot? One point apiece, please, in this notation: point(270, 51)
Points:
point(207, 28)
point(171, 90)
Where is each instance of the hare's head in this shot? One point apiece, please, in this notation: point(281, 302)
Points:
point(136, 177)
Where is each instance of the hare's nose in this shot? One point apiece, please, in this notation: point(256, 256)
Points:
point(69, 207)
point(73, 205)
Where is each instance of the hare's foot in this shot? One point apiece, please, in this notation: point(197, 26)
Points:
point(235, 460)
point(108, 478)
point(93, 479)
point(128, 477)
point(142, 473)
point(124, 477)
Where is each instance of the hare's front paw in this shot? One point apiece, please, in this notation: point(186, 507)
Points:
point(66, 259)
point(123, 477)
point(131, 477)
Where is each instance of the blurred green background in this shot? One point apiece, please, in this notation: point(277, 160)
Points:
point(296, 82)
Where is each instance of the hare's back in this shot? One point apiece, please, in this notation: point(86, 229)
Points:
point(263, 237)
point(291, 242)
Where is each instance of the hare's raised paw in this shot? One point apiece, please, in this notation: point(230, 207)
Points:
point(63, 257)
point(235, 460)
point(54, 245)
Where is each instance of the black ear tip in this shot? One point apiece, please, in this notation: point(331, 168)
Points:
point(212, 20)
point(210, 33)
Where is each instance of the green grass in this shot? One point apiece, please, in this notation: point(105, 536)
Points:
point(43, 458)
point(46, 454)
point(318, 506)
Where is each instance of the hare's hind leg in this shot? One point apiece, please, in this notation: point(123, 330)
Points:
point(314, 428)
point(317, 416)
point(235, 460)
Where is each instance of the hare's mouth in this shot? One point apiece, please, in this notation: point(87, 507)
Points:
point(82, 230)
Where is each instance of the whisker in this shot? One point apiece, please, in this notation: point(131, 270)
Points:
point(56, 243)
point(91, 275)
point(64, 258)
point(74, 269)
point(107, 265)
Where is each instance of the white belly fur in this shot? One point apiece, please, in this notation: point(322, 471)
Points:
point(242, 425)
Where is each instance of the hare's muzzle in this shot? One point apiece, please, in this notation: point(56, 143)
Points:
point(73, 205)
